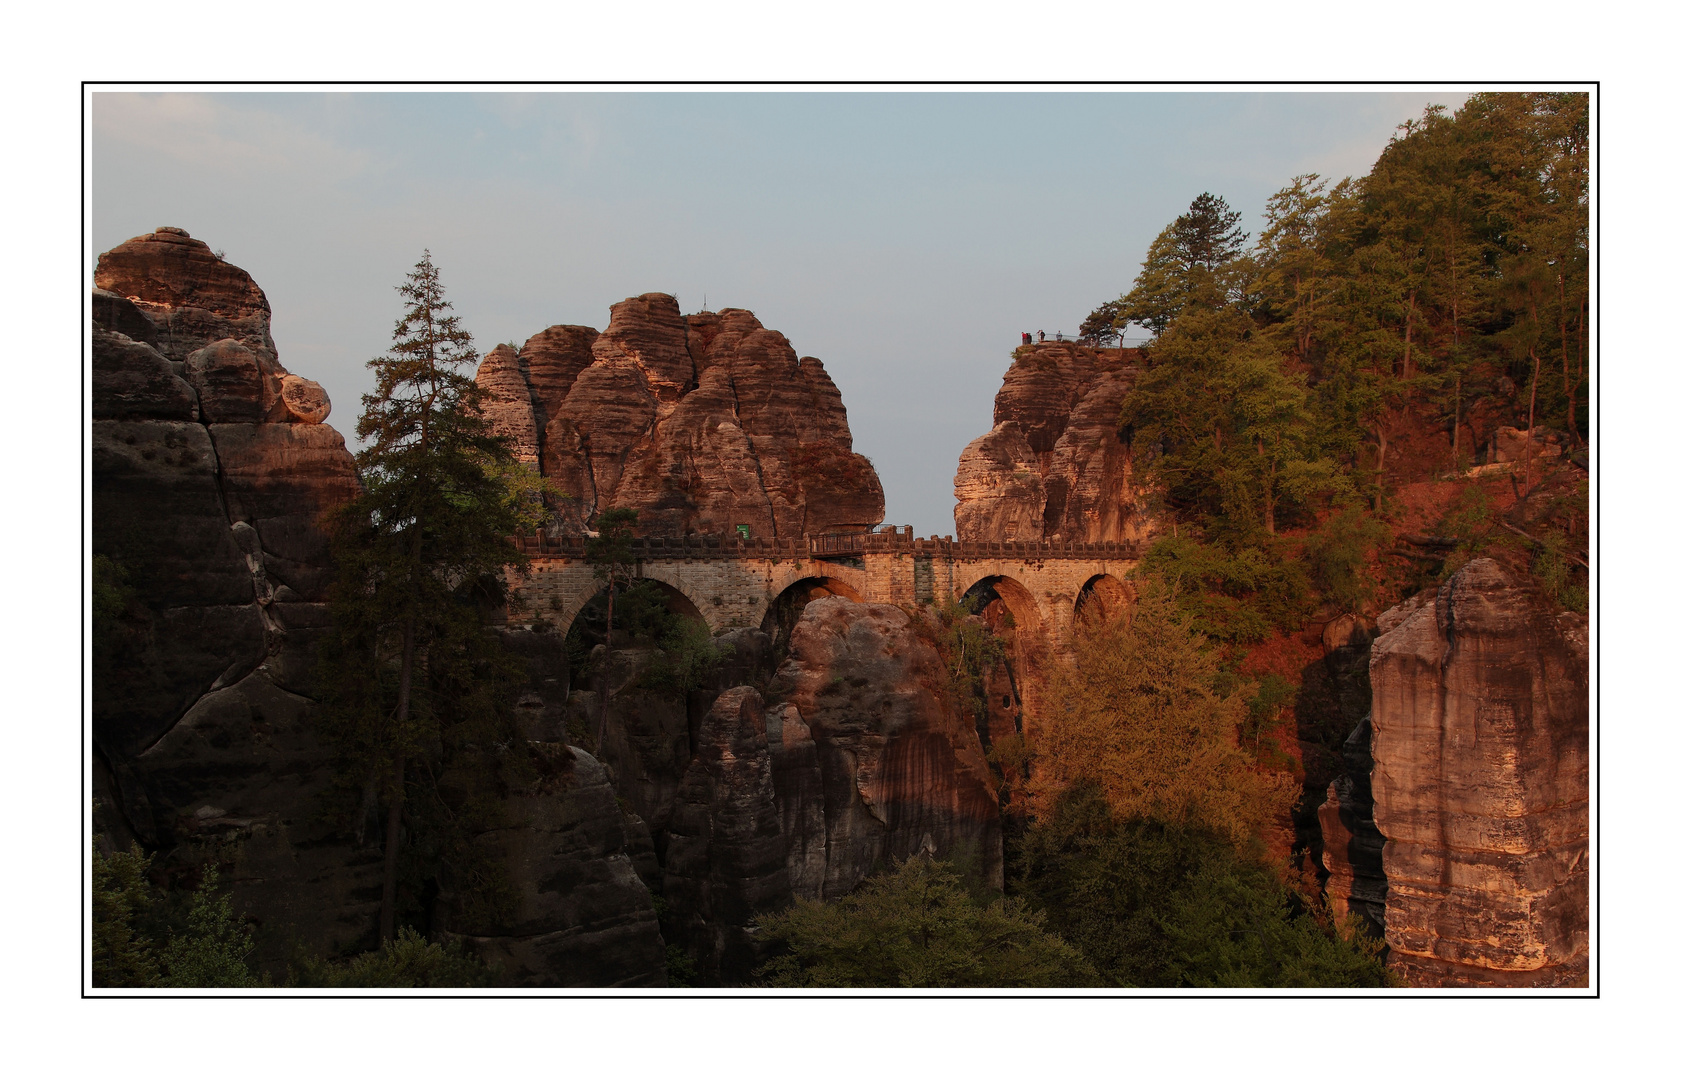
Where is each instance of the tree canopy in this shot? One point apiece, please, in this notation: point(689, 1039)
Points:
point(917, 926)
point(1138, 712)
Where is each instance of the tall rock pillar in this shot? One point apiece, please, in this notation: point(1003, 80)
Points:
point(1480, 784)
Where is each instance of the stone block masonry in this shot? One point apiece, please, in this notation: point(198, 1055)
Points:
point(732, 583)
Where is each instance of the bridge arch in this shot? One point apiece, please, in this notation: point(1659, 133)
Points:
point(1016, 598)
point(676, 601)
point(1015, 615)
point(784, 611)
point(1103, 596)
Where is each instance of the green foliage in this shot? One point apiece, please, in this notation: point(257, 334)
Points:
point(608, 551)
point(1474, 523)
point(917, 926)
point(1340, 553)
point(1558, 575)
point(211, 951)
point(969, 648)
point(407, 961)
point(1272, 695)
point(688, 656)
point(1233, 437)
point(1195, 261)
point(1158, 905)
point(679, 967)
point(123, 955)
point(418, 693)
point(1232, 593)
point(135, 943)
point(1141, 712)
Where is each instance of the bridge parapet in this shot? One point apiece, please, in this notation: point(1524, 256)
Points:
point(837, 545)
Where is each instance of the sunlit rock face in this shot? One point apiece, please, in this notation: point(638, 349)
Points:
point(1055, 465)
point(1479, 783)
point(701, 423)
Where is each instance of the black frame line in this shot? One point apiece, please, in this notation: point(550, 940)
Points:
point(1466, 994)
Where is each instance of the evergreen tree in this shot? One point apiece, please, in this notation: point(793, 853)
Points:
point(123, 954)
point(1195, 260)
point(419, 555)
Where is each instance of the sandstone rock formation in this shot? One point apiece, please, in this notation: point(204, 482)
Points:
point(1480, 783)
point(726, 860)
point(583, 916)
point(700, 422)
point(1054, 466)
point(867, 743)
point(212, 473)
point(208, 487)
point(1353, 846)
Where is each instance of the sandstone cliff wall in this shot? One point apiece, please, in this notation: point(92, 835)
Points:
point(212, 474)
point(1055, 465)
point(1479, 784)
point(700, 423)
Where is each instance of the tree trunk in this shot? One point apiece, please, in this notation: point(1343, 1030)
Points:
point(1456, 464)
point(394, 814)
point(1529, 442)
point(1407, 356)
point(1382, 450)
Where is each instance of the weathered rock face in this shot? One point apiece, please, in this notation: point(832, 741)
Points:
point(212, 473)
point(209, 490)
point(726, 859)
point(700, 422)
point(1054, 466)
point(583, 916)
point(867, 745)
point(193, 299)
point(1480, 783)
point(508, 401)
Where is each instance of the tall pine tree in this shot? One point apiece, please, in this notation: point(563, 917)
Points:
point(420, 555)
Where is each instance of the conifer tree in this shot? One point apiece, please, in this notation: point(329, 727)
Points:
point(418, 555)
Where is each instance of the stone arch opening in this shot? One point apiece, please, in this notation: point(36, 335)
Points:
point(1011, 613)
point(641, 611)
point(1103, 597)
point(783, 612)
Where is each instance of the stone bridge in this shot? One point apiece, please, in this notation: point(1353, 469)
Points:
point(733, 582)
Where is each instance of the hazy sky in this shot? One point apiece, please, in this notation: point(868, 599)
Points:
point(905, 239)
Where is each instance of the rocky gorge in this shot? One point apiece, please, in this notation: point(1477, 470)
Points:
point(813, 755)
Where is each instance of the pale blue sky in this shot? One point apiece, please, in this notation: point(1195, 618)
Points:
point(905, 239)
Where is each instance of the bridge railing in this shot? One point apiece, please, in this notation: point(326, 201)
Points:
point(836, 545)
